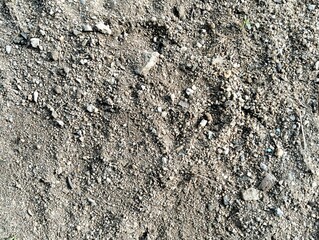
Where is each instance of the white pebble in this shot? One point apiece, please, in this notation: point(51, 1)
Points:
point(8, 49)
point(35, 42)
point(203, 123)
point(60, 122)
point(189, 91)
point(103, 28)
point(35, 96)
point(279, 212)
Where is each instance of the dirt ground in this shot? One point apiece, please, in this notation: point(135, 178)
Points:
point(153, 119)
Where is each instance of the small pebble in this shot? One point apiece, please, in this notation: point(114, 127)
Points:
point(268, 182)
point(164, 114)
point(203, 123)
point(54, 55)
point(279, 152)
point(87, 28)
point(181, 13)
point(210, 135)
point(152, 59)
point(92, 201)
point(57, 89)
point(35, 96)
point(279, 212)
point(8, 49)
point(35, 42)
point(183, 104)
point(311, 7)
point(90, 108)
point(226, 200)
point(101, 27)
point(189, 91)
point(251, 194)
point(60, 123)
point(263, 167)
point(208, 117)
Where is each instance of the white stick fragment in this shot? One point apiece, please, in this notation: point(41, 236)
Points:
point(151, 60)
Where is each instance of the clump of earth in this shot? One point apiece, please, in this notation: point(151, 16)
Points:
point(159, 119)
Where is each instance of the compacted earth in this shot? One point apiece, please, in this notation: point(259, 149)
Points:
point(153, 119)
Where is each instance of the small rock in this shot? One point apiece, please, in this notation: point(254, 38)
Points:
point(76, 32)
point(189, 91)
point(151, 60)
point(35, 42)
point(101, 27)
point(183, 104)
point(208, 117)
point(226, 200)
point(317, 65)
point(57, 89)
point(279, 152)
point(311, 7)
point(35, 96)
point(164, 114)
point(90, 108)
point(87, 28)
point(251, 194)
point(92, 201)
point(54, 114)
point(181, 13)
point(203, 123)
point(210, 135)
point(227, 74)
point(279, 212)
point(60, 123)
point(54, 55)
point(264, 167)
point(8, 49)
point(268, 182)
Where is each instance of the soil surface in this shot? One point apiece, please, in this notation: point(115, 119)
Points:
point(159, 119)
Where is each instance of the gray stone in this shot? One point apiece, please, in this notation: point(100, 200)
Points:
point(87, 28)
point(311, 7)
point(251, 194)
point(264, 167)
point(279, 212)
point(268, 182)
point(151, 59)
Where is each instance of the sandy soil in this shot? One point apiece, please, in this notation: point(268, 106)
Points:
point(158, 119)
